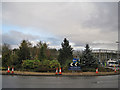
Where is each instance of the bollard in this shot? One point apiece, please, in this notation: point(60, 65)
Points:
point(12, 70)
point(60, 73)
point(8, 70)
point(56, 71)
point(96, 70)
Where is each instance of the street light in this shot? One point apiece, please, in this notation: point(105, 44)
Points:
point(118, 49)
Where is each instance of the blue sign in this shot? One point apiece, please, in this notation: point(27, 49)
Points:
point(74, 68)
point(74, 60)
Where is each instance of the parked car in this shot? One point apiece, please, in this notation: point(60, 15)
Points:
point(112, 63)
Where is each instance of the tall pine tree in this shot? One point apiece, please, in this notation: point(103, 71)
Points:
point(65, 53)
point(88, 59)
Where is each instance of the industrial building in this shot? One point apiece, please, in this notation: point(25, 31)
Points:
point(103, 55)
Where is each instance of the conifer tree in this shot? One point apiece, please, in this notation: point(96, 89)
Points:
point(24, 52)
point(42, 50)
point(87, 58)
point(6, 55)
point(42, 54)
point(65, 53)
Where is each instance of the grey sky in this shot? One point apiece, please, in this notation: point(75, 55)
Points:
point(81, 23)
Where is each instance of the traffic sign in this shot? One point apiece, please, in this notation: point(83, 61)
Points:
point(74, 68)
point(71, 64)
point(74, 64)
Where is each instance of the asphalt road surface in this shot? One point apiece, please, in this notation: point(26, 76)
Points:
point(60, 81)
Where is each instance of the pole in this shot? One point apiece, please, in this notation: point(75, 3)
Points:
point(118, 49)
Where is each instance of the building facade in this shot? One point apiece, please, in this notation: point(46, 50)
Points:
point(103, 55)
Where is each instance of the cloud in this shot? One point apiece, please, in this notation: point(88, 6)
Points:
point(80, 22)
point(15, 37)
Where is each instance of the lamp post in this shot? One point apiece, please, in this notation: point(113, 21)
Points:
point(118, 49)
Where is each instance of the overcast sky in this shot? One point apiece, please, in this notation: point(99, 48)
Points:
point(81, 23)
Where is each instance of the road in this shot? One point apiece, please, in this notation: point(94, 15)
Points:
point(60, 81)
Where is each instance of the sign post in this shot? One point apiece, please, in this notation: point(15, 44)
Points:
point(75, 65)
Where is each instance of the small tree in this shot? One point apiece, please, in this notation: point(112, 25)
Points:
point(65, 53)
point(88, 59)
point(6, 51)
point(53, 54)
point(42, 51)
point(42, 55)
point(24, 51)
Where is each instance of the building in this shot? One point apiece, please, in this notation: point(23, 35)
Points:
point(103, 55)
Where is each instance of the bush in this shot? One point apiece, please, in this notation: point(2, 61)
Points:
point(44, 66)
point(102, 69)
point(88, 69)
point(54, 64)
point(30, 64)
point(66, 66)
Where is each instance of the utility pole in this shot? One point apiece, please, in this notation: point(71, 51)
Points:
point(118, 51)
